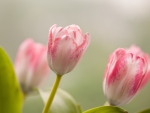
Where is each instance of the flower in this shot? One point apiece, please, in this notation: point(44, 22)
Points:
point(31, 65)
point(65, 48)
point(123, 76)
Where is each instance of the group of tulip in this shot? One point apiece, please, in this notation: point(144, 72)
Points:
point(127, 71)
point(65, 48)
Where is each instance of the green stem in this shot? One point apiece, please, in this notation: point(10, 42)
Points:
point(52, 94)
point(79, 107)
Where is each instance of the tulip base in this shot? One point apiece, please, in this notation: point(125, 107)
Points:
point(107, 104)
point(52, 94)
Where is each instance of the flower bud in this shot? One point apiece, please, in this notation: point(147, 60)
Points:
point(123, 76)
point(65, 48)
point(31, 65)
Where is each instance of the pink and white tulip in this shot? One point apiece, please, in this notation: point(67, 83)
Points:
point(66, 47)
point(123, 76)
point(31, 65)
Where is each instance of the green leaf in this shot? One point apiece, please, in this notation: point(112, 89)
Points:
point(145, 111)
point(11, 97)
point(62, 103)
point(106, 109)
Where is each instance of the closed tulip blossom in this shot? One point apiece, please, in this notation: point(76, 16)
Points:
point(31, 65)
point(66, 47)
point(123, 76)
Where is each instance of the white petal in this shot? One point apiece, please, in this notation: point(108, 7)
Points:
point(60, 59)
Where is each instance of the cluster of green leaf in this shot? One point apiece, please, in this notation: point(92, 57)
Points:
point(11, 97)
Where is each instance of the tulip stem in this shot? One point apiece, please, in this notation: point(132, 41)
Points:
point(52, 94)
point(106, 104)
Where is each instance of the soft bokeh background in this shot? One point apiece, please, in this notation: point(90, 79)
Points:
point(111, 24)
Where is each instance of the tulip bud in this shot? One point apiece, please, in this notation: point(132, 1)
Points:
point(123, 76)
point(65, 48)
point(31, 65)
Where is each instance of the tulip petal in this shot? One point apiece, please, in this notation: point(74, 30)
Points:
point(51, 37)
point(113, 67)
point(73, 28)
point(61, 54)
point(59, 32)
point(20, 58)
point(134, 82)
point(77, 36)
point(109, 76)
point(115, 77)
point(38, 64)
point(77, 54)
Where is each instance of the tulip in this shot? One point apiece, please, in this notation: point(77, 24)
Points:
point(31, 65)
point(123, 76)
point(66, 46)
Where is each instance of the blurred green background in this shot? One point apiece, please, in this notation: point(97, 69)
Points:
point(111, 24)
